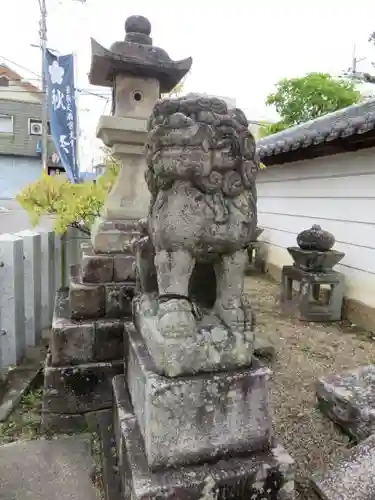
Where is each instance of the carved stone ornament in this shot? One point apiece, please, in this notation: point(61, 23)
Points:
point(136, 56)
point(201, 174)
point(315, 238)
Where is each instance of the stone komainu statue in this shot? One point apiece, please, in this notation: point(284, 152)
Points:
point(201, 169)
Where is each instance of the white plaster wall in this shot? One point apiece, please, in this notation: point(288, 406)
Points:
point(336, 192)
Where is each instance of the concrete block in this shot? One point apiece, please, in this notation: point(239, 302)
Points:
point(12, 300)
point(194, 418)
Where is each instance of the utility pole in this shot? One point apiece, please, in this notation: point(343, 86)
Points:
point(43, 47)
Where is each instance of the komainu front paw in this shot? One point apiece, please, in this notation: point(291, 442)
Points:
point(176, 319)
point(231, 314)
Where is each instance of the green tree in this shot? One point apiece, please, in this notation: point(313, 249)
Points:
point(75, 205)
point(305, 98)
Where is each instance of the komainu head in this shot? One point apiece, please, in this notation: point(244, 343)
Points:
point(198, 139)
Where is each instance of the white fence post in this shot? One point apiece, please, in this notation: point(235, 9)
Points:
point(72, 251)
point(58, 257)
point(32, 249)
point(48, 277)
point(12, 300)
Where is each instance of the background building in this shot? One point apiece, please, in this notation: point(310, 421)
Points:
point(20, 134)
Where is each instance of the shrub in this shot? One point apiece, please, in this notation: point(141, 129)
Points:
point(75, 205)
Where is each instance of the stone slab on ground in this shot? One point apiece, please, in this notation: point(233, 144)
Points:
point(65, 423)
point(198, 417)
point(352, 478)
point(102, 424)
point(349, 400)
point(79, 388)
point(59, 469)
point(16, 384)
point(20, 378)
point(267, 475)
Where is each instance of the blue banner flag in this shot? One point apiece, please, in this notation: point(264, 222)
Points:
point(62, 110)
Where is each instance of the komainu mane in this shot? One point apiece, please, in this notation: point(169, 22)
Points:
point(201, 173)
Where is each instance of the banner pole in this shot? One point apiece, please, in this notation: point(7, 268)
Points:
point(77, 131)
point(43, 46)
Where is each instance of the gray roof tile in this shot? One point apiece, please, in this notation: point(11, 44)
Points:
point(353, 120)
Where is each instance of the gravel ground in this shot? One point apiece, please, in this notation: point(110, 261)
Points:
point(305, 351)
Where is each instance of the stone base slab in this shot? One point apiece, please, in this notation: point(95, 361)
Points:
point(98, 300)
point(357, 312)
point(74, 342)
point(113, 236)
point(352, 478)
point(302, 304)
point(62, 423)
point(79, 388)
point(266, 475)
point(196, 418)
point(208, 346)
point(349, 400)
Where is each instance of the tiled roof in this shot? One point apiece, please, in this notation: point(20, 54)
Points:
point(353, 120)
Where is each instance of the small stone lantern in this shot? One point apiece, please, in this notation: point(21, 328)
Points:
point(138, 73)
point(320, 292)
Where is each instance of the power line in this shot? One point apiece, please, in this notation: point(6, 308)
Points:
point(20, 66)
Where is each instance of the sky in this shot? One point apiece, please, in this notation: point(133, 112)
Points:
point(240, 49)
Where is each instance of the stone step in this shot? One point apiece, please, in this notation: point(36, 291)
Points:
point(75, 342)
point(105, 267)
point(59, 469)
point(352, 478)
point(96, 300)
point(74, 389)
point(348, 400)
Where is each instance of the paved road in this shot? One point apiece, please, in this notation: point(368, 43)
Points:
point(13, 218)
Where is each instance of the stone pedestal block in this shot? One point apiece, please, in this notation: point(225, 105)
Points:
point(349, 400)
point(80, 388)
point(96, 268)
point(197, 418)
point(210, 348)
point(263, 475)
point(319, 296)
point(96, 300)
point(74, 342)
point(352, 478)
point(106, 267)
point(113, 236)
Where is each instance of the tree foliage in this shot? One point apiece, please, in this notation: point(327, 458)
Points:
point(299, 100)
point(75, 205)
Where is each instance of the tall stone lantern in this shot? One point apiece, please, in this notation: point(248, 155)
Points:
point(138, 73)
